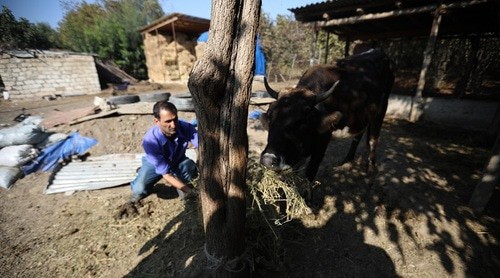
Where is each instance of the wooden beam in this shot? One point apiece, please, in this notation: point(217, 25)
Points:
point(418, 102)
point(372, 16)
point(159, 25)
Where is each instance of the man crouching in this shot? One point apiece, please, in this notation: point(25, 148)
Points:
point(165, 146)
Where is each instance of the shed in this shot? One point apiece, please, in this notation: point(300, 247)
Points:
point(376, 20)
point(372, 21)
point(169, 46)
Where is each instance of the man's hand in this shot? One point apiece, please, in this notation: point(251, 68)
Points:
point(176, 182)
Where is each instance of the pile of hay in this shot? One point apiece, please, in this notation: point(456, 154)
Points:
point(273, 201)
point(277, 195)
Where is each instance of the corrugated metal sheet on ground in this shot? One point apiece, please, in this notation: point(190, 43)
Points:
point(95, 173)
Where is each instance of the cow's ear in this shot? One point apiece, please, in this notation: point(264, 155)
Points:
point(264, 120)
point(328, 123)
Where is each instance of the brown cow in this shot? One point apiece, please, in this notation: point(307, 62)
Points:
point(329, 100)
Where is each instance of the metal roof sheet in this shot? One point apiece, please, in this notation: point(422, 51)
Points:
point(94, 173)
point(379, 19)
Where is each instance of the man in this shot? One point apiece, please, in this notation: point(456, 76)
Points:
point(165, 146)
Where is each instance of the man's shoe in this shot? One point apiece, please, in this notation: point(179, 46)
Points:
point(135, 198)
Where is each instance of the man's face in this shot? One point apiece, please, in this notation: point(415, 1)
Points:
point(167, 122)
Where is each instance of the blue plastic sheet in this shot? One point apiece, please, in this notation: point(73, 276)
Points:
point(260, 58)
point(74, 144)
point(255, 115)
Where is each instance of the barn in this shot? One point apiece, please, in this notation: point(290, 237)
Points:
point(169, 46)
point(459, 47)
point(457, 40)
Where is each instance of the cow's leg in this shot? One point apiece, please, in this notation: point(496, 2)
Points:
point(347, 163)
point(373, 136)
point(318, 152)
point(371, 142)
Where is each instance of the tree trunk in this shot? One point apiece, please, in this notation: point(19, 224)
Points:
point(220, 84)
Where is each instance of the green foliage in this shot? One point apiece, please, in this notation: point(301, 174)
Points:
point(286, 44)
point(109, 28)
point(291, 46)
point(329, 46)
point(23, 34)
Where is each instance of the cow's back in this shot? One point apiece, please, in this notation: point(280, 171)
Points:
point(367, 69)
point(319, 78)
point(365, 83)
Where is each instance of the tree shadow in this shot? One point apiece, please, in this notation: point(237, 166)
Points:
point(174, 251)
point(407, 219)
point(336, 249)
point(414, 208)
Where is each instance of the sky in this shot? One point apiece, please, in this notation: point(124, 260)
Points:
point(50, 11)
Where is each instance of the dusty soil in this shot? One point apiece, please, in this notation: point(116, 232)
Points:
point(409, 219)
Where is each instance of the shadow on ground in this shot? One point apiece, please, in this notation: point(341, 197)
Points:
point(408, 219)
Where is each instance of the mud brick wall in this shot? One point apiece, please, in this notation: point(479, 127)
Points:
point(65, 74)
point(168, 60)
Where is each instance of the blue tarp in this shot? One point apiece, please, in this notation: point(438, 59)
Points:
point(260, 58)
point(51, 155)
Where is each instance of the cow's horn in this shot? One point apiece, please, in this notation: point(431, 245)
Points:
point(270, 90)
point(322, 96)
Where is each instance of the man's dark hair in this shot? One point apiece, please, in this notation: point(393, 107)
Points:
point(163, 105)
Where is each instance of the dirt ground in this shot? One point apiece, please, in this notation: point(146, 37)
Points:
point(407, 220)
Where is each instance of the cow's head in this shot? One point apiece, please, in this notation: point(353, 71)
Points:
point(293, 123)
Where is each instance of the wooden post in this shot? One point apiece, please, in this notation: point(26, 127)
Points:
point(327, 46)
point(314, 45)
point(491, 178)
point(347, 46)
point(418, 102)
point(469, 68)
point(176, 54)
point(158, 56)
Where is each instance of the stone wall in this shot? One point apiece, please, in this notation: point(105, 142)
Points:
point(48, 74)
point(169, 60)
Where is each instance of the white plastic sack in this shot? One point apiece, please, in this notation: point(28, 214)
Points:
point(17, 155)
point(51, 139)
point(32, 120)
point(27, 132)
point(9, 175)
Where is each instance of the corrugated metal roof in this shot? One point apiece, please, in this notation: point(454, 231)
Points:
point(379, 19)
point(95, 173)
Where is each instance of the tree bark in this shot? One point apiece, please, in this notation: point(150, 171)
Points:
point(220, 84)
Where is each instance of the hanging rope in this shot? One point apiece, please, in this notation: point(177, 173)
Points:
point(234, 265)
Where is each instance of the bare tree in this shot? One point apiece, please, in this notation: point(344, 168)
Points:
point(221, 85)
